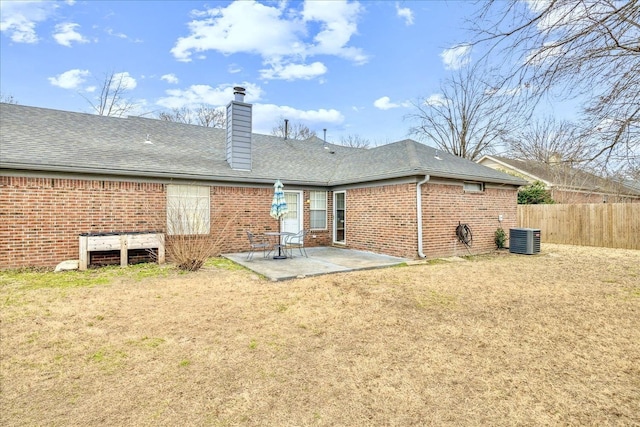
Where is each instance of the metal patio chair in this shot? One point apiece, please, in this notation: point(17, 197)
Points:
point(257, 243)
point(294, 241)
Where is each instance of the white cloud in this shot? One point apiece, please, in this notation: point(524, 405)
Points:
point(170, 78)
point(436, 99)
point(113, 33)
point(204, 94)
point(405, 13)
point(506, 91)
point(294, 71)
point(71, 79)
point(384, 103)
point(125, 80)
point(266, 116)
point(234, 69)
point(570, 17)
point(456, 57)
point(284, 37)
point(66, 33)
point(19, 18)
point(339, 21)
point(245, 26)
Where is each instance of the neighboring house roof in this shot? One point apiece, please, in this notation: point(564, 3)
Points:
point(42, 139)
point(633, 185)
point(558, 175)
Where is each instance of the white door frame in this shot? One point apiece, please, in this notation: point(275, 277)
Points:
point(335, 218)
point(293, 225)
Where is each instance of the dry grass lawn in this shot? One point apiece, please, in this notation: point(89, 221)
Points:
point(551, 339)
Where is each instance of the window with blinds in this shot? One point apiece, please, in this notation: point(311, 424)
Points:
point(318, 210)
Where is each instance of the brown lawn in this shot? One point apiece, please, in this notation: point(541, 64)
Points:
point(551, 339)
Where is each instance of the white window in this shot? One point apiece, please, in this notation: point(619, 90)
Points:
point(475, 187)
point(188, 209)
point(318, 210)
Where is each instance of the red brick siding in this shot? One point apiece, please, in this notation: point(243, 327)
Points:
point(318, 237)
point(247, 208)
point(382, 219)
point(41, 218)
point(444, 206)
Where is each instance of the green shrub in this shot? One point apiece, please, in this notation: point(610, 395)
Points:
point(534, 194)
point(500, 238)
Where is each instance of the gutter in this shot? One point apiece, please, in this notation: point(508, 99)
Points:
point(419, 214)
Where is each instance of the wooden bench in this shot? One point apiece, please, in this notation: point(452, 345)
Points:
point(93, 242)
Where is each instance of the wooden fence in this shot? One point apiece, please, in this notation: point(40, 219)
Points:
point(609, 225)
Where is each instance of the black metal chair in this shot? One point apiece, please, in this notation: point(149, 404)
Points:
point(294, 241)
point(257, 243)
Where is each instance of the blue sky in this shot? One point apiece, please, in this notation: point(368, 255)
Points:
point(353, 68)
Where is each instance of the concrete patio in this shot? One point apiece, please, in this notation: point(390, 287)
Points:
point(321, 260)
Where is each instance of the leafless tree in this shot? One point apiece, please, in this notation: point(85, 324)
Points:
point(295, 130)
point(468, 118)
point(113, 100)
point(204, 115)
point(354, 141)
point(546, 140)
point(584, 48)
point(8, 99)
point(558, 150)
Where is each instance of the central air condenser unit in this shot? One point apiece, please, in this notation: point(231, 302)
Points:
point(524, 241)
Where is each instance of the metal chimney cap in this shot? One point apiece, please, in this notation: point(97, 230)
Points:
point(238, 93)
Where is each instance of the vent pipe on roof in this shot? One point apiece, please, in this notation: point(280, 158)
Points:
point(286, 128)
point(239, 131)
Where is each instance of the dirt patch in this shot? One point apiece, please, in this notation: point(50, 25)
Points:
point(550, 339)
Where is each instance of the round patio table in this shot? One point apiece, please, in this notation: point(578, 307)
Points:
point(278, 244)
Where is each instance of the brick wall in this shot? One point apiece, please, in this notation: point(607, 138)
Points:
point(41, 218)
point(382, 219)
point(247, 208)
point(444, 206)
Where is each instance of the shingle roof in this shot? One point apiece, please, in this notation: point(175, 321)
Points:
point(33, 138)
point(563, 175)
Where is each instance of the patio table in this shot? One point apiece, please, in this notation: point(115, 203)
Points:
point(278, 243)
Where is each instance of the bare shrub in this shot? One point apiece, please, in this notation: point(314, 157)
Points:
point(190, 251)
point(193, 232)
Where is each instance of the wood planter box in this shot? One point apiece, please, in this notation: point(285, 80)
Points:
point(93, 242)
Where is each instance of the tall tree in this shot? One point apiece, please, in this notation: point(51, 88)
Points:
point(547, 140)
point(468, 118)
point(354, 141)
point(294, 130)
point(203, 115)
point(584, 48)
point(112, 99)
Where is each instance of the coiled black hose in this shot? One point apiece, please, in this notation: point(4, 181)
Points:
point(464, 234)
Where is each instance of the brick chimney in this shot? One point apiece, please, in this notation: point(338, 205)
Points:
point(239, 131)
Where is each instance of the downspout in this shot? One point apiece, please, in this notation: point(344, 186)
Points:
point(419, 207)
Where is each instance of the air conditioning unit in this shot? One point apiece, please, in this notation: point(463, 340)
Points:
point(524, 241)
